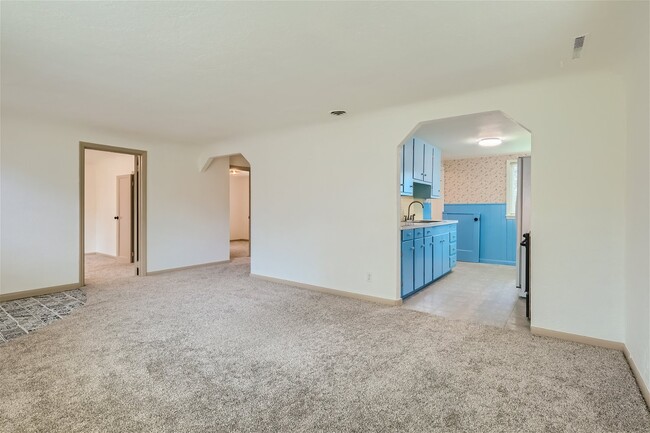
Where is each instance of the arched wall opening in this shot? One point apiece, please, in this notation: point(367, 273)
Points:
point(464, 208)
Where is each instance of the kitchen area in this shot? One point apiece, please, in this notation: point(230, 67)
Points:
point(465, 196)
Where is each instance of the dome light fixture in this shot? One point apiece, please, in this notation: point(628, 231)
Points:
point(490, 142)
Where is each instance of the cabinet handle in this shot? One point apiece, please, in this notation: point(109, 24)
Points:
point(412, 248)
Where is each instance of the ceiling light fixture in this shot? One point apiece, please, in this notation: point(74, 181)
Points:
point(490, 142)
point(337, 113)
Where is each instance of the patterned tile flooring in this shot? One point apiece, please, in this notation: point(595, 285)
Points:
point(22, 316)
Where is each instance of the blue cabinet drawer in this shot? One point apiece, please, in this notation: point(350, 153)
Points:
point(452, 236)
point(452, 261)
point(418, 233)
point(452, 249)
point(428, 231)
point(407, 235)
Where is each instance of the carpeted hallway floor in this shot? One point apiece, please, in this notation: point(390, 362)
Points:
point(212, 350)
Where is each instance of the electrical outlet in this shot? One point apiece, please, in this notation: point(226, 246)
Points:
point(369, 277)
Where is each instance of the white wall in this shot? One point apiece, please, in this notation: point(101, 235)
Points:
point(187, 225)
point(344, 175)
point(239, 205)
point(637, 199)
point(104, 169)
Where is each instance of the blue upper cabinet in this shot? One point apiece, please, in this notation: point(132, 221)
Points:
point(407, 168)
point(437, 169)
point(421, 165)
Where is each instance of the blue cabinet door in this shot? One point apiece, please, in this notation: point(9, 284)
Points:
point(468, 235)
point(435, 181)
point(418, 159)
point(407, 267)
point(407, 168)
point(446, 265)
point(428, 259)
point(437, 255)
point(418, 263)
point(428, 163)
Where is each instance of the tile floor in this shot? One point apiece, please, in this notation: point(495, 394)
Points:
point(475, 292)
point(22, 316)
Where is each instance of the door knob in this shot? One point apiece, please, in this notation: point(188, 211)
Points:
point(475, 219)
point(116, 218)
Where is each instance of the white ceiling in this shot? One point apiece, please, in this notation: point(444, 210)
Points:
point(200, 71)
point(457, 137)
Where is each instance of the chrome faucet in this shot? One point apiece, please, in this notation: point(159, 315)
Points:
point(410, 217)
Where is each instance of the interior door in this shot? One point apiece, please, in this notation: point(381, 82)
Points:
point(124, 218)
point(468, 235)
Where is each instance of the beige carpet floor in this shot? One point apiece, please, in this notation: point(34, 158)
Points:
point(212, 350)
point(238, 249)
point(100, 268)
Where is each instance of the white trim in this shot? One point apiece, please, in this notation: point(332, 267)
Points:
point(336, 292)
point(608, 344)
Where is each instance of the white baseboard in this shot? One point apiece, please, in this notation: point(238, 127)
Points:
point(184, 268)
point(38, 292)
point(637, 374)
point(100, 254)
point(336, 292)
point(608, 344)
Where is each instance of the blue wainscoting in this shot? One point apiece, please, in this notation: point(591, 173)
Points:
point(498, 238)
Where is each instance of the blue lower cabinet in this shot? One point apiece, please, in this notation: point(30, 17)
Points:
point(407, 267)
point(445, 254)
point(437, 255)
point(418, 264)
point(426, 256)
point(428, 259)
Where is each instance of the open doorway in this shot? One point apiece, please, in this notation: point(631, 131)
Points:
point(462, 218)
point(112, 213)
point(240, 199)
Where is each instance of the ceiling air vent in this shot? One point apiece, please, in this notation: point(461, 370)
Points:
point(578, 43)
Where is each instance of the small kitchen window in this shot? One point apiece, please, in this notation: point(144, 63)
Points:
point(511, 188)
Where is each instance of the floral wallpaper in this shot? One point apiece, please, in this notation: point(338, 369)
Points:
point(476, 180)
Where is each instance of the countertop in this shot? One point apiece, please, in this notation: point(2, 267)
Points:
point(410, 226)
